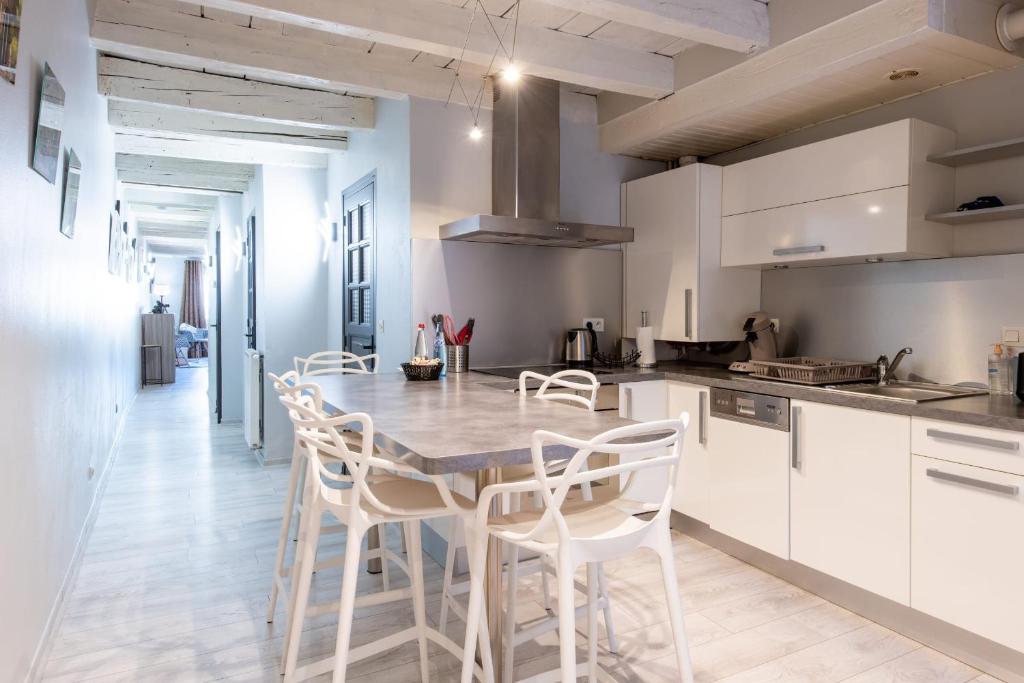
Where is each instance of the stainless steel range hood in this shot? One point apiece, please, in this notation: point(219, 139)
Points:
point(525, 188)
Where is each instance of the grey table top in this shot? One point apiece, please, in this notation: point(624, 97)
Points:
point(462, 423)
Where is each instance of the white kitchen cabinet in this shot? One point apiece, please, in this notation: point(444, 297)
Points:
point(645, 402)
point(693, 480)
point(994, 449)
point(856, 197)
point(967, 553)
point(850, 496)
point(672, 268)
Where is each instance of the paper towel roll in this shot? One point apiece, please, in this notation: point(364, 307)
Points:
point(645, 344)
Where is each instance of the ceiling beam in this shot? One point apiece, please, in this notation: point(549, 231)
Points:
point(159, 34)
point(183, 173)
point(442, 29)
point(195, 91)
point(171, 196)
point(133, 117)
point(156, 212)
point(154, 143)
point(739, 25)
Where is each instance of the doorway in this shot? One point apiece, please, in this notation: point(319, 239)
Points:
point(359, 231)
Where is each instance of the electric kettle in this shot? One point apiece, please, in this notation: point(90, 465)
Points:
point(580, 345)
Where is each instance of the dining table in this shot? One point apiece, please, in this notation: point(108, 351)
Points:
point(465, 423)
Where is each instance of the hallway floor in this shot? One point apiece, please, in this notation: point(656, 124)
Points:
point(174, 581)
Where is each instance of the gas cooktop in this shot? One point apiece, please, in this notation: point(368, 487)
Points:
point(514, 372)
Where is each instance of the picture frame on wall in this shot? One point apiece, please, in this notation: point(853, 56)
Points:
point(49, 126)
point(114, 239)
point(10, 32)
point(72, 187)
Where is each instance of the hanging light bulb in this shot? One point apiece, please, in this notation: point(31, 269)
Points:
point(511, 74)
point(475, 133)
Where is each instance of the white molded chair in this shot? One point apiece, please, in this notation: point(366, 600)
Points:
point(572, 533)
point(336, 363)
point(391, 496)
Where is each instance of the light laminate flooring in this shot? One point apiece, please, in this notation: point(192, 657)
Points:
point(174, 581)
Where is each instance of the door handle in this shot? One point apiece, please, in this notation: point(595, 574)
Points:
point(971, 481)
point(806, 249)
point(794, 437)
point(702, 427)
point(688, 296)
point(628, 392)
point(974, 440)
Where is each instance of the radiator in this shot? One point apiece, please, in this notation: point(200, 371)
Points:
point(252, 419)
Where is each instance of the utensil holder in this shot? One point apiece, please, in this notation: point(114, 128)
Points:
point(458, 358)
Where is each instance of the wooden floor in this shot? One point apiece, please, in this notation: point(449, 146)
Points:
point(174, 581)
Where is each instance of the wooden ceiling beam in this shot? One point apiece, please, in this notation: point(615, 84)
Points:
point(156, 143)
point(183, 173)
point(443, 29)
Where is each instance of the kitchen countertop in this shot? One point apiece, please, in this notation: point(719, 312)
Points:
point(999, 412)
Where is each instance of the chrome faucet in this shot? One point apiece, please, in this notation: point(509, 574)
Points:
point(886, 369)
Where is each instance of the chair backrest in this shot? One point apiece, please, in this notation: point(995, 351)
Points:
point(336, 363)
point(289, 385)
point(658, 444)
point(575, 380)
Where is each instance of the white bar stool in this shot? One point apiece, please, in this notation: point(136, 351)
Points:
point(571, 533)
point(370, 501)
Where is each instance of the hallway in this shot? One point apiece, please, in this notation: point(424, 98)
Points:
point(174, 581)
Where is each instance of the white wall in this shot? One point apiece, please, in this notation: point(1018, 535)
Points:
point(69, 331)
point(228, 219)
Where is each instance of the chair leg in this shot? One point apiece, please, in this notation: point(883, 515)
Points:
point(294, 483)
point(298, 514)
point(384, 573)
point(510, 611)
point(567, 618)
point(412, 535)
point(592, 598)
point(538, 503)
point(675, 605)
point(449, 570)
point(346, 607)
point(476, 546)
point(609, 627)
point(303, 570)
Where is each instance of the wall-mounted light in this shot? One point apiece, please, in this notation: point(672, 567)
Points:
point(326, 232)
point(238, 248)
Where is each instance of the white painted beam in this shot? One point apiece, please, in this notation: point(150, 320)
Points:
point(184, 173)
point(156, 212)
point(133, 117)
point(441, 28)
point(195, 91)
point(233, 151)
point(159, 34)
point(740, 25)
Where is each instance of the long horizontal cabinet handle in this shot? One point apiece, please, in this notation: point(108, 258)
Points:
point(807, 249)
point(971, 481)
point(974, 440)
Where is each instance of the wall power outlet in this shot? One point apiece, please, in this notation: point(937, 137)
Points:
point(597, 322)
point(1013, 334)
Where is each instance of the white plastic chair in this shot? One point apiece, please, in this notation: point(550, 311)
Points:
point(287, 385)
point(336, 363)
point(575, 532)
point(370, 500)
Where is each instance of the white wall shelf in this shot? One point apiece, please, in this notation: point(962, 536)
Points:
point(979, 154)
point(996, 213)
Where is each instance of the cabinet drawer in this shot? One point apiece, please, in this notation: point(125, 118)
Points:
point(858, 162)
point(869, 224)
point(994, 449)
point(966, 554)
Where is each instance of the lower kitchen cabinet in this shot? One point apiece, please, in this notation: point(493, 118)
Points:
point(850, 496)
point(967, 549)
point(645, 402)
point(693, 479)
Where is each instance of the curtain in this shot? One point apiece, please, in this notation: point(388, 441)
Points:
point(192, 311)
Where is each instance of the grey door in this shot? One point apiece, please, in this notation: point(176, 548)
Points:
point(358, 238)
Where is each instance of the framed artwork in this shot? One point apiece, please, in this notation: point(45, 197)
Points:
point(125, 251)
point(49, 126)
point(10, 29)
point(114, 237)
point(72, 184)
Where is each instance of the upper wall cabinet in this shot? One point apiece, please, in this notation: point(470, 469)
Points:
point(858, 197)
point(673, 265)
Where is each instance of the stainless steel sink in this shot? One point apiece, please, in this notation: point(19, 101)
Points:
point(911, 392)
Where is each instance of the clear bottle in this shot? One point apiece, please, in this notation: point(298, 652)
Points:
point(998, 371)
point(439, 347)
point(419, 350)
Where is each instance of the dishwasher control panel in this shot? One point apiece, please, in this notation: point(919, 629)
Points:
point(750, 408)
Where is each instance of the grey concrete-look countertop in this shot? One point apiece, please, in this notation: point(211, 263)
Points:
point(999, 412)
point(462, 423)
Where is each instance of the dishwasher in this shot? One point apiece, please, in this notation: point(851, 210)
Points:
point(749, 441)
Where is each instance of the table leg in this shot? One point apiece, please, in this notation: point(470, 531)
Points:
point(372, 543)
point(492, 578)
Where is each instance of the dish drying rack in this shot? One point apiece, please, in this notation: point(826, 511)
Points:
point(814, 371)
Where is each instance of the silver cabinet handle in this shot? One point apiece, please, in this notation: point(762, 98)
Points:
point(806, 249)
point(689, 313)
point(971, 481)
point(629, 402)
point(702, 427)
point(974, 440)
point(794, 437)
